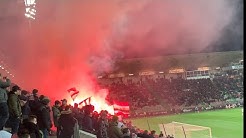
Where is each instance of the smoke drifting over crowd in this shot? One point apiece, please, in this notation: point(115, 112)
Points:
point(71, 42)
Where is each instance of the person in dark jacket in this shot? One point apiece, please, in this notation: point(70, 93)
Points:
point(144, 135)
point(102, 130)
point(80, 118)
point(25, 109)
point(43, 114)
point(4, 110)
point(126, 133)
point(95, 119)
point(87, 122)
point(66, 123)
point(64, 104)
point(34, 103)
point(31, 126)
point(114, 130)
point(152, 134)
point(23, 133)
point(75, 111)
point(14, 109)
point(56, 115)
point(161, 135)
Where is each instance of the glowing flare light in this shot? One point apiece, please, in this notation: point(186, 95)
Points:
point(97, 100)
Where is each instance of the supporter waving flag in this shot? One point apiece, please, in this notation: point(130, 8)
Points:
point(85, 101)
point(73, 93)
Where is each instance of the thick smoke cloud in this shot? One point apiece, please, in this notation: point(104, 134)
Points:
point(71, 42)
point(231, 37)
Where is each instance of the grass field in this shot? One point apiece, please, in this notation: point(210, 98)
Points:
point(226, 123)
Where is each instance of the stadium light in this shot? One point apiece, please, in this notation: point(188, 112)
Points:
point(161, 72)
point(29, 16)
point(203, 68)
point(31, 12)
point(30, 9)
point(131, 74)
point(29, 2)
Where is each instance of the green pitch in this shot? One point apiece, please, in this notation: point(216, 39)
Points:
point(226, 123)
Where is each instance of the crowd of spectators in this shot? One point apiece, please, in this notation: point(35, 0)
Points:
point(150, 92)
point(28, 115)
point(137, 93)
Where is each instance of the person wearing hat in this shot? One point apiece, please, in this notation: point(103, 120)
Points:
point(14, 109)
point(56, 115)
point(114, 130)
point(43, 116)
point(25, 108)
point(64, 104)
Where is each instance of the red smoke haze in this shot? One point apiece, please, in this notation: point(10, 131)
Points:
point(70, 42)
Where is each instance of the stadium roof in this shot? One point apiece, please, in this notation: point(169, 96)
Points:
point(188, 62)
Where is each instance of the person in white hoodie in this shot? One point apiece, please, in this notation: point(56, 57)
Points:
point(121, 125)
point(5, 134)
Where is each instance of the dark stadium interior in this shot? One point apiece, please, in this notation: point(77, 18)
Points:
point(89, 68)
